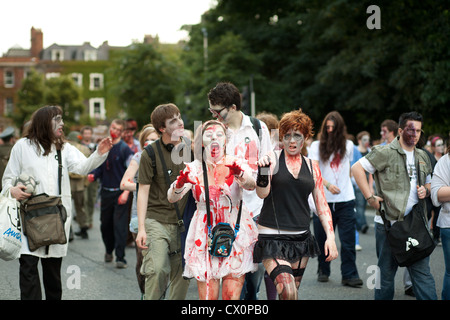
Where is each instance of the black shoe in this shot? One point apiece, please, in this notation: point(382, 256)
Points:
point(410, 292)
point(354, 282)
point(82, 233)
point(322, 277)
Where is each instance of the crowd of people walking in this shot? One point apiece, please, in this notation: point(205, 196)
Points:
point(235, 201)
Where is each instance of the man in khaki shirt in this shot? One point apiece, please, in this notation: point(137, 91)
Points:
point(396, 168)
point(158, 231)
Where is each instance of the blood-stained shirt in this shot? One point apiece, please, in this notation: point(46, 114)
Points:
point(245, 143)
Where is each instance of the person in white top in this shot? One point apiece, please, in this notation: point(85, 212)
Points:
point(36, 155)
point(440, 195)
point(334, 152)
point(243, 142)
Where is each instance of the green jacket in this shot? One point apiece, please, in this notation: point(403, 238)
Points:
point(391, 176)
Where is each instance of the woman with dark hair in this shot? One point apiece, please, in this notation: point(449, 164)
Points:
point(285, 243)
point(36, 155)
point(334, 153)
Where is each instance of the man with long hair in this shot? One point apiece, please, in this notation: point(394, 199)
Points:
point(334, 152)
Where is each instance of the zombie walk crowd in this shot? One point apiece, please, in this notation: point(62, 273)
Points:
point(230, 203)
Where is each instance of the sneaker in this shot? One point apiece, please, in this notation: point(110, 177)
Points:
point(121, 264)
point(358, 247)
point(108, 257)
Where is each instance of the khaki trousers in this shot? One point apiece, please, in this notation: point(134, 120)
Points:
point(161, 264)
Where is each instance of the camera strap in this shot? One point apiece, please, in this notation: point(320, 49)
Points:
point(208, 212)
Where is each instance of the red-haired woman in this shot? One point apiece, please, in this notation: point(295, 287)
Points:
point(285, 243)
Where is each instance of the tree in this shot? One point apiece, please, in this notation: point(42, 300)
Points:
point(37, 92)
point(144, 78)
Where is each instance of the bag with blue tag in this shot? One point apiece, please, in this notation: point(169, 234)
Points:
point(10, 228)
point(222, 236)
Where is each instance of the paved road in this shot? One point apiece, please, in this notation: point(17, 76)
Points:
point(86, 277)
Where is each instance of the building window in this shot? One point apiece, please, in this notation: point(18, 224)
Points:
point(97, 108)
point(57, 55)
point(95, 81)
point(9, 106)
point(50, 75)
point(9, 79)
point(90, 55)
point(77, 78)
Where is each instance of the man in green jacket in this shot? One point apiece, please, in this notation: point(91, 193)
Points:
point(395, 167)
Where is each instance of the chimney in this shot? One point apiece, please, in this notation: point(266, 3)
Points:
point(37, 42)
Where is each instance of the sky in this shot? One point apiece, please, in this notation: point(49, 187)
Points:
point(119, 22)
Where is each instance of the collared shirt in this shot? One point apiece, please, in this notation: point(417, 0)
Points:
point(396, 176)
point(244, 143)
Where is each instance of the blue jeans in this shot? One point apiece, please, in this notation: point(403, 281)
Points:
point(343, 214)
point(445, 238)
point(421, 277)
point(360, 207)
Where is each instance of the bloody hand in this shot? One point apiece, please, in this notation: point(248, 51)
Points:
point(235, 170)
point(182, 179)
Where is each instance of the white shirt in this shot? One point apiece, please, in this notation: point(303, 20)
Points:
point(245, 143)
point(339, 176)
point(24, 159)
point(441, 178)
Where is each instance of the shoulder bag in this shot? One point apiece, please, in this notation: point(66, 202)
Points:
point(411, 239)
point(43, 218)
point(222, 236)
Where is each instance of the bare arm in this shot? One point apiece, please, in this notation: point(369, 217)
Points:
point(142, 202)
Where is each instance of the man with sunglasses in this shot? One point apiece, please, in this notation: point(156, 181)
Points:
point(243, 141)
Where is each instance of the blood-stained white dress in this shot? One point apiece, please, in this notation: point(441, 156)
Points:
point(225, 197)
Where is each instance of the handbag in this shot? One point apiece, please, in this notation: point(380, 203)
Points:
point(43, 218)
point(222, 236)
point(410, 240)
point(10, 228)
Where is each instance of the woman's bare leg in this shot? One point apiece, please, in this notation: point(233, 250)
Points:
point(208, 290)
point(232, 287)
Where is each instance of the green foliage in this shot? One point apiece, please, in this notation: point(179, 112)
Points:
point(37, 92)
point(319, 55)
point(142, 78)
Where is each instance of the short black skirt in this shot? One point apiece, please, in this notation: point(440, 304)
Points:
point(290, 248)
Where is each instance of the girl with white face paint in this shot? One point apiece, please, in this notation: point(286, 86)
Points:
point(285, 243)
point(227, 177)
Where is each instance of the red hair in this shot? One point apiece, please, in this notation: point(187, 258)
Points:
point(296, 120)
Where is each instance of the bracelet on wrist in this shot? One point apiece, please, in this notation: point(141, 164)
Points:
point(370, 198)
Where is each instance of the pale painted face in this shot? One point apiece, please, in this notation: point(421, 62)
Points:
point(214, 141)
point(293, 142)
point(174, 127)
point(439, 146)
point(57, 125)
